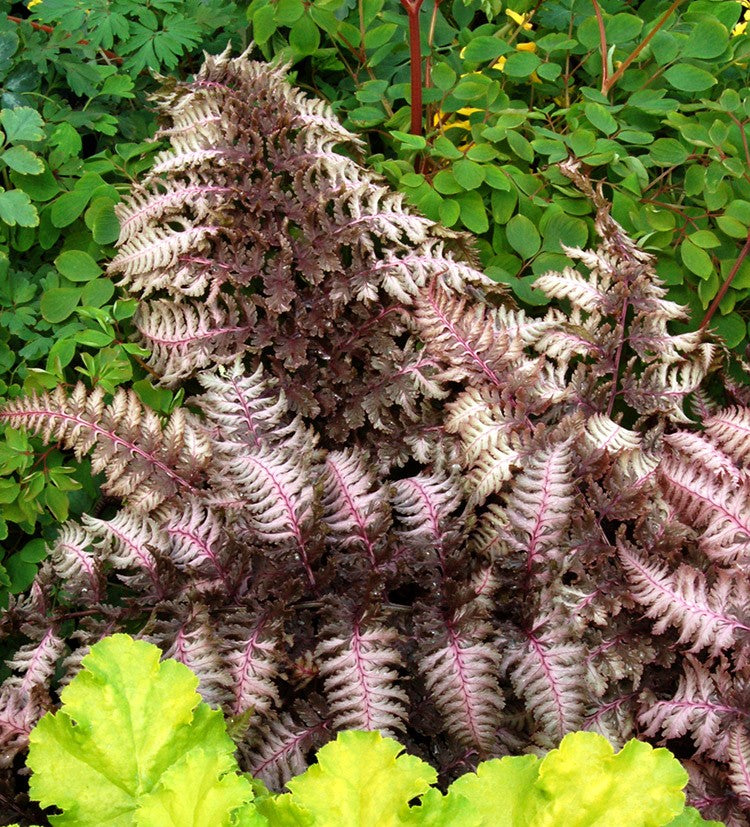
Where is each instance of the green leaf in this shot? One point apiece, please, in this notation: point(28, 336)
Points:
point(201, 788)
point(600, 117)
point(588, 784)
point(501, 791)
point(264, 24)
point(97, 293)
point(304, 36)
point(622, 28)
point(484, 48)
point(361, 779)
point(468, 173)
point(668, 152)
point(16, 208)
point(101, 219)
point(23, 160)
point(523, 236)
point(690, 817)
point(707, 39)
point(77, 266)
point(473, 212)
point(126, 720)
point(520, 146)
point(22, 124)
point(731, 227)
point(443, 76)
point(521, 64)
point(696, 260)
point(731, 328)
point(689, 78)
point(39, 186)
point(704, 239)
point(58, 303)
point(437, 810)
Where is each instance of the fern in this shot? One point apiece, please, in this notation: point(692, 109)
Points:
point(394, 499)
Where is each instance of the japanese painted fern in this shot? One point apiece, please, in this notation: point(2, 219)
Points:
point(392, 500)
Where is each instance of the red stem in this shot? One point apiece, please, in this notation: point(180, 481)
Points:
point(42, 27)
point(724, 287)
point(415, 63)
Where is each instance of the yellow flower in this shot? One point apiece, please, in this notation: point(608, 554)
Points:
point(33, 3)
point(741, 28)
point(521, 19)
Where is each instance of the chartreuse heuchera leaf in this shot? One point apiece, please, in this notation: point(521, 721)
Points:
point(135, 745)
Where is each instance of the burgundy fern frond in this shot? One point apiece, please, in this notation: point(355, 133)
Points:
point(738, 756)
point(550, 676)
point(354, 512)
point(361, 672)
point(461, 675)
point(254, 666)
point(684, 601)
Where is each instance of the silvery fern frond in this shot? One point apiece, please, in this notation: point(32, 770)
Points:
point(145, 461)
point(360, 668)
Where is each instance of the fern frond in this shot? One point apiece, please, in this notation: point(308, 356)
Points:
point(361, 673)
point(423, 506)
point(461, 676)
point(198, 539)
point(130, 541)
point(704, 501)
point(75, 565)
point(145, 462)
point(730, 430)
point(589, 293)
point(282, 752)
point(243, 408)
point(698, 708)
point(253, 664)
point(699, 451)
point(276, 493)
point(684, 601)
point(466, 339)
point(738, 756)
point(353, 511)
point(184, 337)
point(550, 676)
point(605, 434)
point(539, 505)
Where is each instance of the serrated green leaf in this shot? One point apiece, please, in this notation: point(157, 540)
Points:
point(106, 741)
point(23, 160)
point(16, 209)
point(501, 790)
point(200, 789)
point(587, 783)
point(437, 810)
point(359, 780)
point(22, 124)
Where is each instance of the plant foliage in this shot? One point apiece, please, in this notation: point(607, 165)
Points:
point(382, 462)
point(136, 746)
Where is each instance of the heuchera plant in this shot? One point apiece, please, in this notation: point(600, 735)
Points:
point(133, 744)
point(392, 501)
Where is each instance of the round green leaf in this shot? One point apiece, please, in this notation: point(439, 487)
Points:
point(521, 64)
point(77, 266)
point(600, 117)
point(16, 208)
point(689, 78)
point(705, 239)
point(523, 236)
point(668, 152)
point(100, 218)
point(473, 212)
point(707, 39)
point(58, 303)
point(622, 28)
point(731, 328)
point(469, 174)
point(443, 77)
point(485, 48)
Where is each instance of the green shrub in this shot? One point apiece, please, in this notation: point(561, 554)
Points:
point(508, 97)
point(134, 745)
